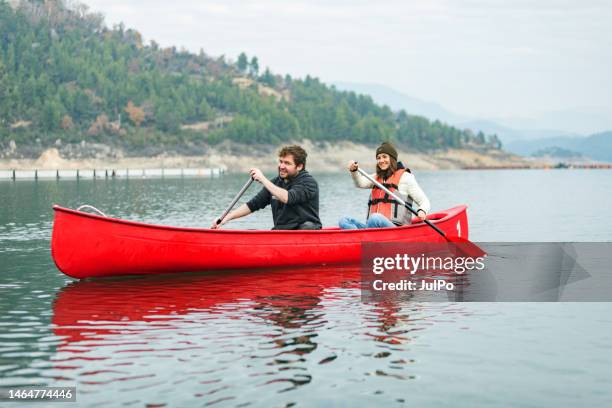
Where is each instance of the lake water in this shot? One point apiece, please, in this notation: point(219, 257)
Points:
point(295, 337)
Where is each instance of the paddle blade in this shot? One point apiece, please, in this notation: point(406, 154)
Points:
point(465, 247)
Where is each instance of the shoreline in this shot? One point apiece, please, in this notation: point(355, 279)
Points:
point(234, 158)
point(322, 157)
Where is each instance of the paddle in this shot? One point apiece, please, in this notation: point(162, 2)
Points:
point(467, 247)
point(235, 200)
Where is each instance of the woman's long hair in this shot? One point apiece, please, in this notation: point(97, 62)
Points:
point(385, 174)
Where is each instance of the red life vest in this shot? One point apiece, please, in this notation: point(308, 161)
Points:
point(381, 203)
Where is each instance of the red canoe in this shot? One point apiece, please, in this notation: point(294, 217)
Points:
point(84, 245)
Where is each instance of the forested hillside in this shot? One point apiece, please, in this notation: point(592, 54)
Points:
point(65, 75)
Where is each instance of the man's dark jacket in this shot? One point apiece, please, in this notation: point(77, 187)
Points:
point(302, 203)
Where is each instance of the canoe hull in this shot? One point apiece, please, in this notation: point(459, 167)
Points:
point(85, 245)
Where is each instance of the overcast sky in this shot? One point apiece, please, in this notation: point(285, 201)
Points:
point(482, 58)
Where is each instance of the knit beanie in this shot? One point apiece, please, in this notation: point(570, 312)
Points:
point(387, 148)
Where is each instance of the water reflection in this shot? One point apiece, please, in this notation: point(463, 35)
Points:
point(216, 334)
point(280, 297)
point(267, 322)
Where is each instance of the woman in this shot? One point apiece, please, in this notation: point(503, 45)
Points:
point(384, 211)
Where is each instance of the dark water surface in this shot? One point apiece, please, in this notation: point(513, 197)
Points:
point(303, 337)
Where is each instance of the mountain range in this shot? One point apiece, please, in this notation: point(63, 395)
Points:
point(524, 136)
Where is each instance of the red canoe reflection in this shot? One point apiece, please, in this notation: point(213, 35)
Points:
point(89, 310)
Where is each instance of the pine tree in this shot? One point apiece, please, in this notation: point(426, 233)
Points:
point(254, 66)
point(242, 63)
point(267, 78)
point(205, 111)
point(4, 95)
point(51, 114)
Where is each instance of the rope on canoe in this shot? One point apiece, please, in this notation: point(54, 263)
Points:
point(91, 207)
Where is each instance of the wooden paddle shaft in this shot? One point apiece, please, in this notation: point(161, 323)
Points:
point(235, 200)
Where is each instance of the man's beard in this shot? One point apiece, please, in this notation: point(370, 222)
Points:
point(287, 175)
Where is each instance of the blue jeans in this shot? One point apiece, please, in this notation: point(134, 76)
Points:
point(375, 221)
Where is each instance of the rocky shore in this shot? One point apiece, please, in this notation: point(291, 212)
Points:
point(322, 157)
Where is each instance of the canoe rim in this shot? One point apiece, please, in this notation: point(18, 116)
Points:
point(435, 218)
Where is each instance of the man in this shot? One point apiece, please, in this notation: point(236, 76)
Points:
point(293, 195)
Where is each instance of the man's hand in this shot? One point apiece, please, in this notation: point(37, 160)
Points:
point(217, 226)
point(257, 175)
point(353, 166)
point(237, 213)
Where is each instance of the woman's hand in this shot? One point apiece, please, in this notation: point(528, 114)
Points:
point(353, 166)
point(421, 214)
